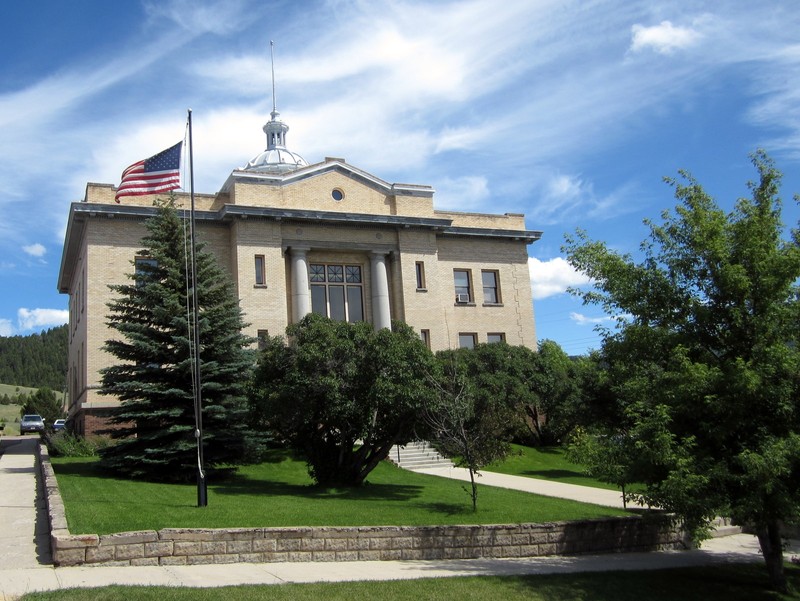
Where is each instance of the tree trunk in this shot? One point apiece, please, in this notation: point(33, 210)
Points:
point(536, 430)
point(769, 537)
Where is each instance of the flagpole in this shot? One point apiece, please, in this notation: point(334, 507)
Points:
point(202, 489)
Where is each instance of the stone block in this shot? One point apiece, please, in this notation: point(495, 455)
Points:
point(251, 557)
point(369, 555)
point(158, 549)
point(263, 545)
point(299, 556)
point(145, 561)
point(124, 552)
point(219, 547)
point(288, 544)
point(186, 534)
point(225, 558)
point(346, 556)
point(187, 548)
point(69, 557)
point(100, 554)
point(357, 544)
point(237, 534)
point(172, 560)
point(315, 544)
point(339, 544)
point(75, 541)
point(127, 538)
point(323, 556)
point(239, 546)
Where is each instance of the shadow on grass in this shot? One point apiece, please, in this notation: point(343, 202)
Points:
point(242, 484)
point(555, 474)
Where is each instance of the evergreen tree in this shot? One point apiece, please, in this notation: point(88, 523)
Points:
point(46, 403)
point(35, 360)
point(155, 420)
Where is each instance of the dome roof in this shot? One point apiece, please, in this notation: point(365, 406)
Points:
point(276, 158)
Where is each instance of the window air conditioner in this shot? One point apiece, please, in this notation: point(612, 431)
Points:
point(462, 298)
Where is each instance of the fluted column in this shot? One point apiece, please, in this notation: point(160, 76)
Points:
point(301, 296)
point(381, 313)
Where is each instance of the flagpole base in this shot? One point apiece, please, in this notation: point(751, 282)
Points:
point(202, 491)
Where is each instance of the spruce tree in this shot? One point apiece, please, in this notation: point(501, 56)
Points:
point(155, 421)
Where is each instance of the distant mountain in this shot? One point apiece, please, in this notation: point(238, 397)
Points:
point(37, 360)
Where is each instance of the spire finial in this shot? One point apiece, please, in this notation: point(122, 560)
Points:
point(272, 60)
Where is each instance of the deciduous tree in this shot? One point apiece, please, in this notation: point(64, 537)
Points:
point(342, 393)
point(707, 356)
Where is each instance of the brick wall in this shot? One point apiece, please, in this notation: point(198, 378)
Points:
point(184, 546)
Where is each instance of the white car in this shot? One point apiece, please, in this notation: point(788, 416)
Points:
point(31, 423)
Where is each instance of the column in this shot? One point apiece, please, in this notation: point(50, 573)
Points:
point(301, 296)
point(381, 315)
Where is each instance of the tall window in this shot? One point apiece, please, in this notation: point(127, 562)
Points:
point(337, 291)
point(491, 287)
point(495, 337)
point(420, 273)
point(461, 278)
point(426, 337)
point(467, 340)
point(261, 274)
point(142, 266)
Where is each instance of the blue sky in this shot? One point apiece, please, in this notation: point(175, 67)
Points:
point(568, 112)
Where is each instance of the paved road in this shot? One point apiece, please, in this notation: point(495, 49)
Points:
point(25, 564)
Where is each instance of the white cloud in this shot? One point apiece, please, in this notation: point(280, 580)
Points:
point(664, 38)
point(29, 319)
point(35, 250)
point(560, 195)
point(582, 320)
point(461, 194)
point(6, 327)
point(552, 277)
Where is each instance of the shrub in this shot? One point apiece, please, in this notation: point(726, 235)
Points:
point(66, 444)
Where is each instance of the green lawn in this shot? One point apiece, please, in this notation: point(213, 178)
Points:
point(280, 493)
point(546, 463)
point(746, 582)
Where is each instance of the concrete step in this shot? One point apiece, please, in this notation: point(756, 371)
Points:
point(724, 527)
point(417, 455)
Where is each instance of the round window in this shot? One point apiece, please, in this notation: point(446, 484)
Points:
point(337, 194)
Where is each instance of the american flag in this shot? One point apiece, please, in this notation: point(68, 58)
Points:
point(159, 173)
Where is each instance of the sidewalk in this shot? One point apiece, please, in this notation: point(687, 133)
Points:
point(25, 562)
point(584, 494)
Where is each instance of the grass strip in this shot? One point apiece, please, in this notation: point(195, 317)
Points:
point(744, 582)
point(279, 492)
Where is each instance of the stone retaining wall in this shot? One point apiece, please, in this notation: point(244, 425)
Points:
point(180, 546)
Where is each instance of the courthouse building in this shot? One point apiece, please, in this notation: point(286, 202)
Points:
point(297, 238)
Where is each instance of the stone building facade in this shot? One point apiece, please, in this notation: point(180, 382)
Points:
point(295, 238)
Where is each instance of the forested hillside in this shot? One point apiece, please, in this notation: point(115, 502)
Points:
point(37, 360)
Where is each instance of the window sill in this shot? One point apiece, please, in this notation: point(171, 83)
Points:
point(464, 305)
point(493, 304)
point(422, 289)
point(260, 286)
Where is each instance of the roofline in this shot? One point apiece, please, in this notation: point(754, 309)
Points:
point(329, 164)
point(81, 211)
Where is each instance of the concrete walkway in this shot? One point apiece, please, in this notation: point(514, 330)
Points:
point(584, 494)
point(25, 563)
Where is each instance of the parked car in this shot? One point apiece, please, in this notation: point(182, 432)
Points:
point(59, 424)
point(31, 423)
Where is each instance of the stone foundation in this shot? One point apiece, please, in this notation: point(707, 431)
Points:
point(186, 546)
